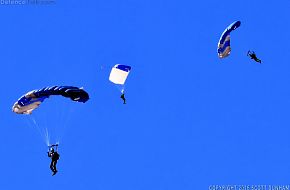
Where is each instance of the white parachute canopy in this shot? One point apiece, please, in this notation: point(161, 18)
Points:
point(119, 74)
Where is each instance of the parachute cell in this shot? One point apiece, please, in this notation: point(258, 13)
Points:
point(31, 100)
point(224, 48)
point(119, 74)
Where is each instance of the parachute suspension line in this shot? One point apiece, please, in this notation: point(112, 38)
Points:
point(47, 137)
point(29, 123)
point(45, 128)
point(44, 138)
point(123, 89)
point(68, 118)
point(59, 123)
point(41, 131)
point(50, 125)
point(52, 122)
point(61, 118)
point(120, 87)
point(65, 117)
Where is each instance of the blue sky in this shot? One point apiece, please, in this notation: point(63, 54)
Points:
point(191, 120)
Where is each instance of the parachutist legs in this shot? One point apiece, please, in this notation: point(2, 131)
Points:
point(53, 166)
point(54, 172)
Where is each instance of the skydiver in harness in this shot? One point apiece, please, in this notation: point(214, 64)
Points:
point(54, 157)
point(123, 98)
point(252, 55)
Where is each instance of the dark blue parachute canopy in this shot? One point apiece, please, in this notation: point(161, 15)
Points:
point(30, 101)
point(224, 48)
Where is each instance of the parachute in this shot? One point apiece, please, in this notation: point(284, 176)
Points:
point(119, 74)
point(30, 101)
point(224, 48)
point(51, 121)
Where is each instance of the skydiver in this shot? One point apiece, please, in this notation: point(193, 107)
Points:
point(54, 158)
point(252, 55)
point(123, 98)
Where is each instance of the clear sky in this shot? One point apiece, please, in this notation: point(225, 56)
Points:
point(191, 120)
